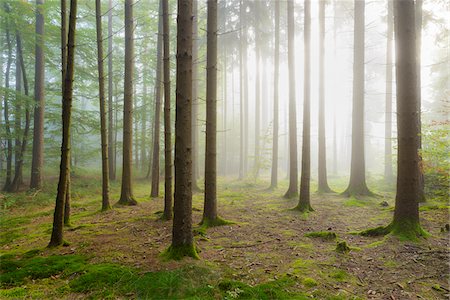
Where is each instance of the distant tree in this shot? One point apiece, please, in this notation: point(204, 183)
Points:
point(304, 199)
point(167, 130)
point(388, 116)
point(57, 231)
point(257, 88)
point(126, 194)
point(103, 116)
point(111, 140)
point(293, 160)
point(182, 237)
point(357, 185)
point(37, 162)
point(195, 102)
point(274, 173)
point(17, 117)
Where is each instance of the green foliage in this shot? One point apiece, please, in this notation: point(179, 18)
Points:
point(326, 235)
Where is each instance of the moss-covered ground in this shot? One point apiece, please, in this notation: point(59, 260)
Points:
point(267, 251)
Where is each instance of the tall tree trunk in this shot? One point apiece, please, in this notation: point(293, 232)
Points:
point(406, 213)
point(257, 91)
point(157, 122)
point(275, 137)
point(17, 181)
point(18, 116)
point(167, 124)
point(57, 231)
point(304, 199)
point(195, 102)
point(182, 237)
point(357, 185)
point(388, 116)
point(225, 95)
point(210, 207)
point(322, 182)
point(293, 160)
point(37, 162)
point(126, 194)
point(111, 140)
point(242, 40)
point(101, 88)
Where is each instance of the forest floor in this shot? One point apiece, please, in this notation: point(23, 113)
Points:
point(264, 254)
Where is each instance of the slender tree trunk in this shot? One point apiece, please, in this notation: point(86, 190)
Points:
point(357, 185)
point(210, 208)
point(388, 116)
point(182, 237)
point(274, 173)
point(225, 95)
point(322, 182)
point(57, 231)
point(18, 116)
point(293, 160)
point(241, 89)
point(39, 78)
point(101, 87)
point(167, 124)
point(157, 124)
point(111, 140)
point(257, 91)
point(126, 195)
point(406, 213)
point(304, 199)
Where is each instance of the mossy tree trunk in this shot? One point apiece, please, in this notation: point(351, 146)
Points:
point(101, 87)
point(293, 160)
point(167, 124)
point(58, 217)
point(126, 194)
point(304, 199)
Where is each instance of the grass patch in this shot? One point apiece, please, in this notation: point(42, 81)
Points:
point(309, 282)
point(428, 207)
point(354, 202)
point(325, 235)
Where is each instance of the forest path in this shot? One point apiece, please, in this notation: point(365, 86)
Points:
point(266, 241)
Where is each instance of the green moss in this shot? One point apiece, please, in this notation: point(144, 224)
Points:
point(179, 252)
point(15, 293)
point(405, 230)
point(326, 235)
point(342, 247)
point(429, 207)
point(304, 208)
point(309, 282)
point(339, 275)
point(206, 222)
point(377, 231)
point(354, 202)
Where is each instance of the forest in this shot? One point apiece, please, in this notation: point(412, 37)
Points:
point(224, 149)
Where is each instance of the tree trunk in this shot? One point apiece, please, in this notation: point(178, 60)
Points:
point(388, 116)
point(101, 87)
point(57, 231)
point(274, 173)
point(257, 91)
point(156, 127)
point(37, 162)
point(195, 102)
point(18, 117)
point(126, 195)
point(182, 237)
point(167, 124)
point(304, 199)
point(210, 208)
point(111, 140)
point(322, 182)
point(293, 160)
point(357, 185)
point(242, 77)
point(225, 95)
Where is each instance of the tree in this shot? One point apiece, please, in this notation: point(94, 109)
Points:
point(322, 182)
point(101, 88)
point(357, 185)
point(406, 223)
point(388, 116)
point(37, 162)
point(58, 216)
point(257, 90)
point(126, 194)
point(111, 141)
point(156, 127)
point(293, 160)
point(167, 130)
point(17, 117)
point(304, 199)
point(274, 173)
point(182, 236)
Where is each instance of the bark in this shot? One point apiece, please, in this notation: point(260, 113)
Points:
point(322, 182)
point(167, 124)
point(304, 199)
point(37, 162)
point(274, 173)
point(101, 86)
point(257, 92)
point(225, 95)
point(18, 117)
point(357, 185)
point(293, 160)
point(243, 160)
point(157, 121)
point(111, 140)
point(210, 208)
point(182, 237)
point(388, 116)
point(126, 195)
point(57, 231)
